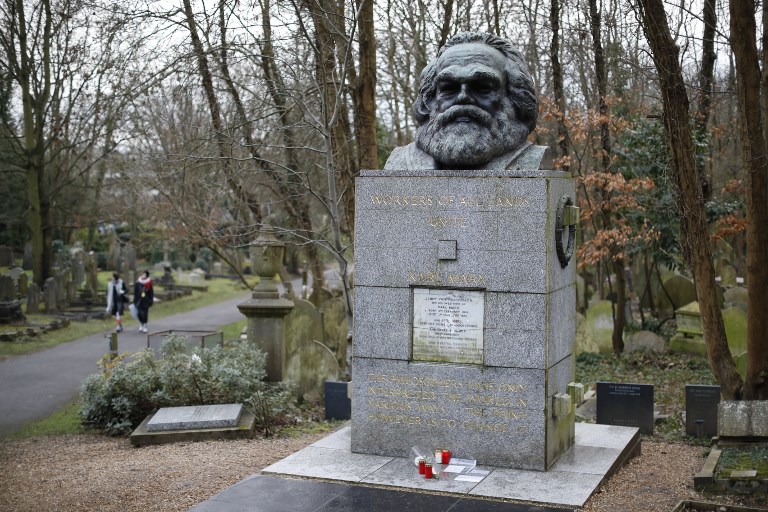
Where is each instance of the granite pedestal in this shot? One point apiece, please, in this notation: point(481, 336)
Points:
point(465, 311)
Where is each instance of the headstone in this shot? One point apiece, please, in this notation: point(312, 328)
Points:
point(628, 405)
point(61, 288)
point(71, 292)
point(689, 320)
point(78, 270)
point(701, 404)
point(736, 297)
point(309, 360)
point(129, 256)
point(319, 296)
point(33, 299)
point(26, 262)
point(336, 327)
point(338, 406)
point(7, 288)
point(735, 323)
point(645, 340)
point(678, 291)
point(50, 295)
point(742, 418)
point(600, 322)
point(728, 276)
point(195, 417)
point(585, 340)
point(115, 259)
point(92, 274)
point(23, 284)
point(15, 274)
point(6, 256)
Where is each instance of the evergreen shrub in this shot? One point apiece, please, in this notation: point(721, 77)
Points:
point(119, 398)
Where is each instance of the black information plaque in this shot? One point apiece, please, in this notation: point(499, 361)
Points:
point(626, 405)
point(701, 410)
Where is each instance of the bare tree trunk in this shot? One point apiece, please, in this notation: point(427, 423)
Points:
point(753, 137)
point(617, 264)
point(557, 79)
point(694, 231)
point(706, 80)
point(365, 90)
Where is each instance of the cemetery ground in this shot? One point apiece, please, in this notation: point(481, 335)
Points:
point(58, 465)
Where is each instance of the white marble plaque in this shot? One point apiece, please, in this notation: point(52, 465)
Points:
point(448, 325)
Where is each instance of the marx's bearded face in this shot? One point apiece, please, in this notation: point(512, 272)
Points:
point(472, 119)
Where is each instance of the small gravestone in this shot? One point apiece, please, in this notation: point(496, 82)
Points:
point(627, 405)
point(15, 274)
point(585, 340)
point(742, 418)
point(129, 256)
point(26, 261)
point(319, 296)
point(645, 340)
point(10, 308)
point(78, 270)
point(728, 276)
point(23, 284)
point(50, 295)
point(600, 321)
point(701, 403)
point(195, 417)
point(33, 299)
point(92, 274)
point(6, 256)
point(7, 288)
point(736, 297)
point(338, 406)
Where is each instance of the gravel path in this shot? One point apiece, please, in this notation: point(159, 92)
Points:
point(94, 473)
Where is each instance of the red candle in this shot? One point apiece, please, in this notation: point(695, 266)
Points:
point(422, 466)
point(446, 456)
point(427, 470)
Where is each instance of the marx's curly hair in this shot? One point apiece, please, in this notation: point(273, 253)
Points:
point(520, 88)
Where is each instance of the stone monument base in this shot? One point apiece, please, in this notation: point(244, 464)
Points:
point(599, 451)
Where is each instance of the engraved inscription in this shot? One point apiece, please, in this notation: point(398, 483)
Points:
point(406, 200)
point(448, 325)
point(447, 404)
point(439, 278)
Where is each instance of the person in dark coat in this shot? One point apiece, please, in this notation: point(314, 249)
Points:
point(116, 299)
point(143, 298)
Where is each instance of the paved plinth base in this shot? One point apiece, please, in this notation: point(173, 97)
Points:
point(271, 494)
point(244, 429)
point(598, 452)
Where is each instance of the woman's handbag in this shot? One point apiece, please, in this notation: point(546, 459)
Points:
point(134, 311)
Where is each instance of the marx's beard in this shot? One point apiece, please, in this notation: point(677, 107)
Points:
point(465, 136)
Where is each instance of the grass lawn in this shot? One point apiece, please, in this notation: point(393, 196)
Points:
point(218, 290)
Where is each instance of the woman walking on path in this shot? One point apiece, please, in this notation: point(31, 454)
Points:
point(116, 299)
point(143, 297)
